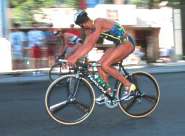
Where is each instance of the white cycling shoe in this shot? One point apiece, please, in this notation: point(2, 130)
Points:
point(101, 99)
point(127, 95)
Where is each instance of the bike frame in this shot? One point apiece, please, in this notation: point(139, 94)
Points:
point(83, 71)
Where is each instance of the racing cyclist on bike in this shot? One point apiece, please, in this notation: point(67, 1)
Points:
point(113, 31)
point(71, 43)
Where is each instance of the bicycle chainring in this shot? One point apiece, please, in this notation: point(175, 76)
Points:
point(111, 103)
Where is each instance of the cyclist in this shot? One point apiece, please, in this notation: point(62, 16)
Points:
point(111, 30)
point(71, 43)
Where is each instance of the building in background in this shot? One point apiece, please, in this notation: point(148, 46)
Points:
point(5, 47)
point(144, 23)
point(183, 29)
point(146, 26)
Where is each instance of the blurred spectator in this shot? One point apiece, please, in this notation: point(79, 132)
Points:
point(119, 1)
point(71, 39)
point(93, 3)
point(51, 40)
point(18, 41)
point(83, 4)
point(74, 31)
point(71, 43)
point(36, 39)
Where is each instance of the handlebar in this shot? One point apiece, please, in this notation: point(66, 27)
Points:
point(63, 60)
point(83, 65)
point(83, 62)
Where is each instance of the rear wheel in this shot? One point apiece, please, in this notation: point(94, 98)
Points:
point(70, 100)
point(144, 100)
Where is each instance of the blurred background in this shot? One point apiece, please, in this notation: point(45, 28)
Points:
point(28, 27)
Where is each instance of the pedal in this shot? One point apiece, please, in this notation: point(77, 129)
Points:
point(100, 103)
point(101, 99)
point(128, 97)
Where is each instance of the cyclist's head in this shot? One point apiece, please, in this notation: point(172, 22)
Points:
point(81, 17)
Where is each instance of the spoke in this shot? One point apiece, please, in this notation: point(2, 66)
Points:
point(77, 83)
point(58, 106)
point(81, 106)
point(60, 69)
point(149, 98)
point(130, 104)
point(70, 89)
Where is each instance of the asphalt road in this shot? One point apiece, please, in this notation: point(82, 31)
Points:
point(22, 113)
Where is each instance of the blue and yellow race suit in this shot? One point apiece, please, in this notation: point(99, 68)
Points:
point(118, 35)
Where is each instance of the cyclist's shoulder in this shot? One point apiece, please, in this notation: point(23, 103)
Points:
point(99, 20)
point(103, 20)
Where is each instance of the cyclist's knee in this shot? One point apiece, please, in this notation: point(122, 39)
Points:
point(105, 66)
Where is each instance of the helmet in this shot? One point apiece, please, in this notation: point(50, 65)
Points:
point(74, 40)
point(81, 17)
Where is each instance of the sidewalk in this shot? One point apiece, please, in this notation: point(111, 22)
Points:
point(158, 68)
point(30, 76)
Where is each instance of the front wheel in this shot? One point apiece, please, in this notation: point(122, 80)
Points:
point(70, 100)
point(144, 100)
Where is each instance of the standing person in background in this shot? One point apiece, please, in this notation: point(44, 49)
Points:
point(73, 30)
point(18, 41)
point(71, 40)
point(51, 41)
point(71, 43)
point(36, 39)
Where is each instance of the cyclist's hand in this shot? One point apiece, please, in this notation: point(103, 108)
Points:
point(65, 66)
point(63, 63)
point(71, 60)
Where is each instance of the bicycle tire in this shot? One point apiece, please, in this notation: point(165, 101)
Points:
point(65, 114)
point(143, 81)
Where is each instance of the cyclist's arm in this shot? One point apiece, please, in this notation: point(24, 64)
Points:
point(89, 42)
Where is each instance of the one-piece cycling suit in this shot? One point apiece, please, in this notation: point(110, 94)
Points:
point(118, 35)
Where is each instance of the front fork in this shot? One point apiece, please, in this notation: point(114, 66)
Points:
point(73, 85)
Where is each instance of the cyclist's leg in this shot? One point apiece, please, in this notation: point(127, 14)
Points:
point(119, 53)
point(102, 73)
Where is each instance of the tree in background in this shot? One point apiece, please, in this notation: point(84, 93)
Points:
point(72, 3)
point(23, 10)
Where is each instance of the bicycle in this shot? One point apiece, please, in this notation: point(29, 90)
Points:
point(77, 102)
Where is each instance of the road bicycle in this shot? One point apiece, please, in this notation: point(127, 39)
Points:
point(71, 99)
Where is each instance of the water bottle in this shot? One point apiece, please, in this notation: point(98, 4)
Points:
point(91, 77)
point(101, 82)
